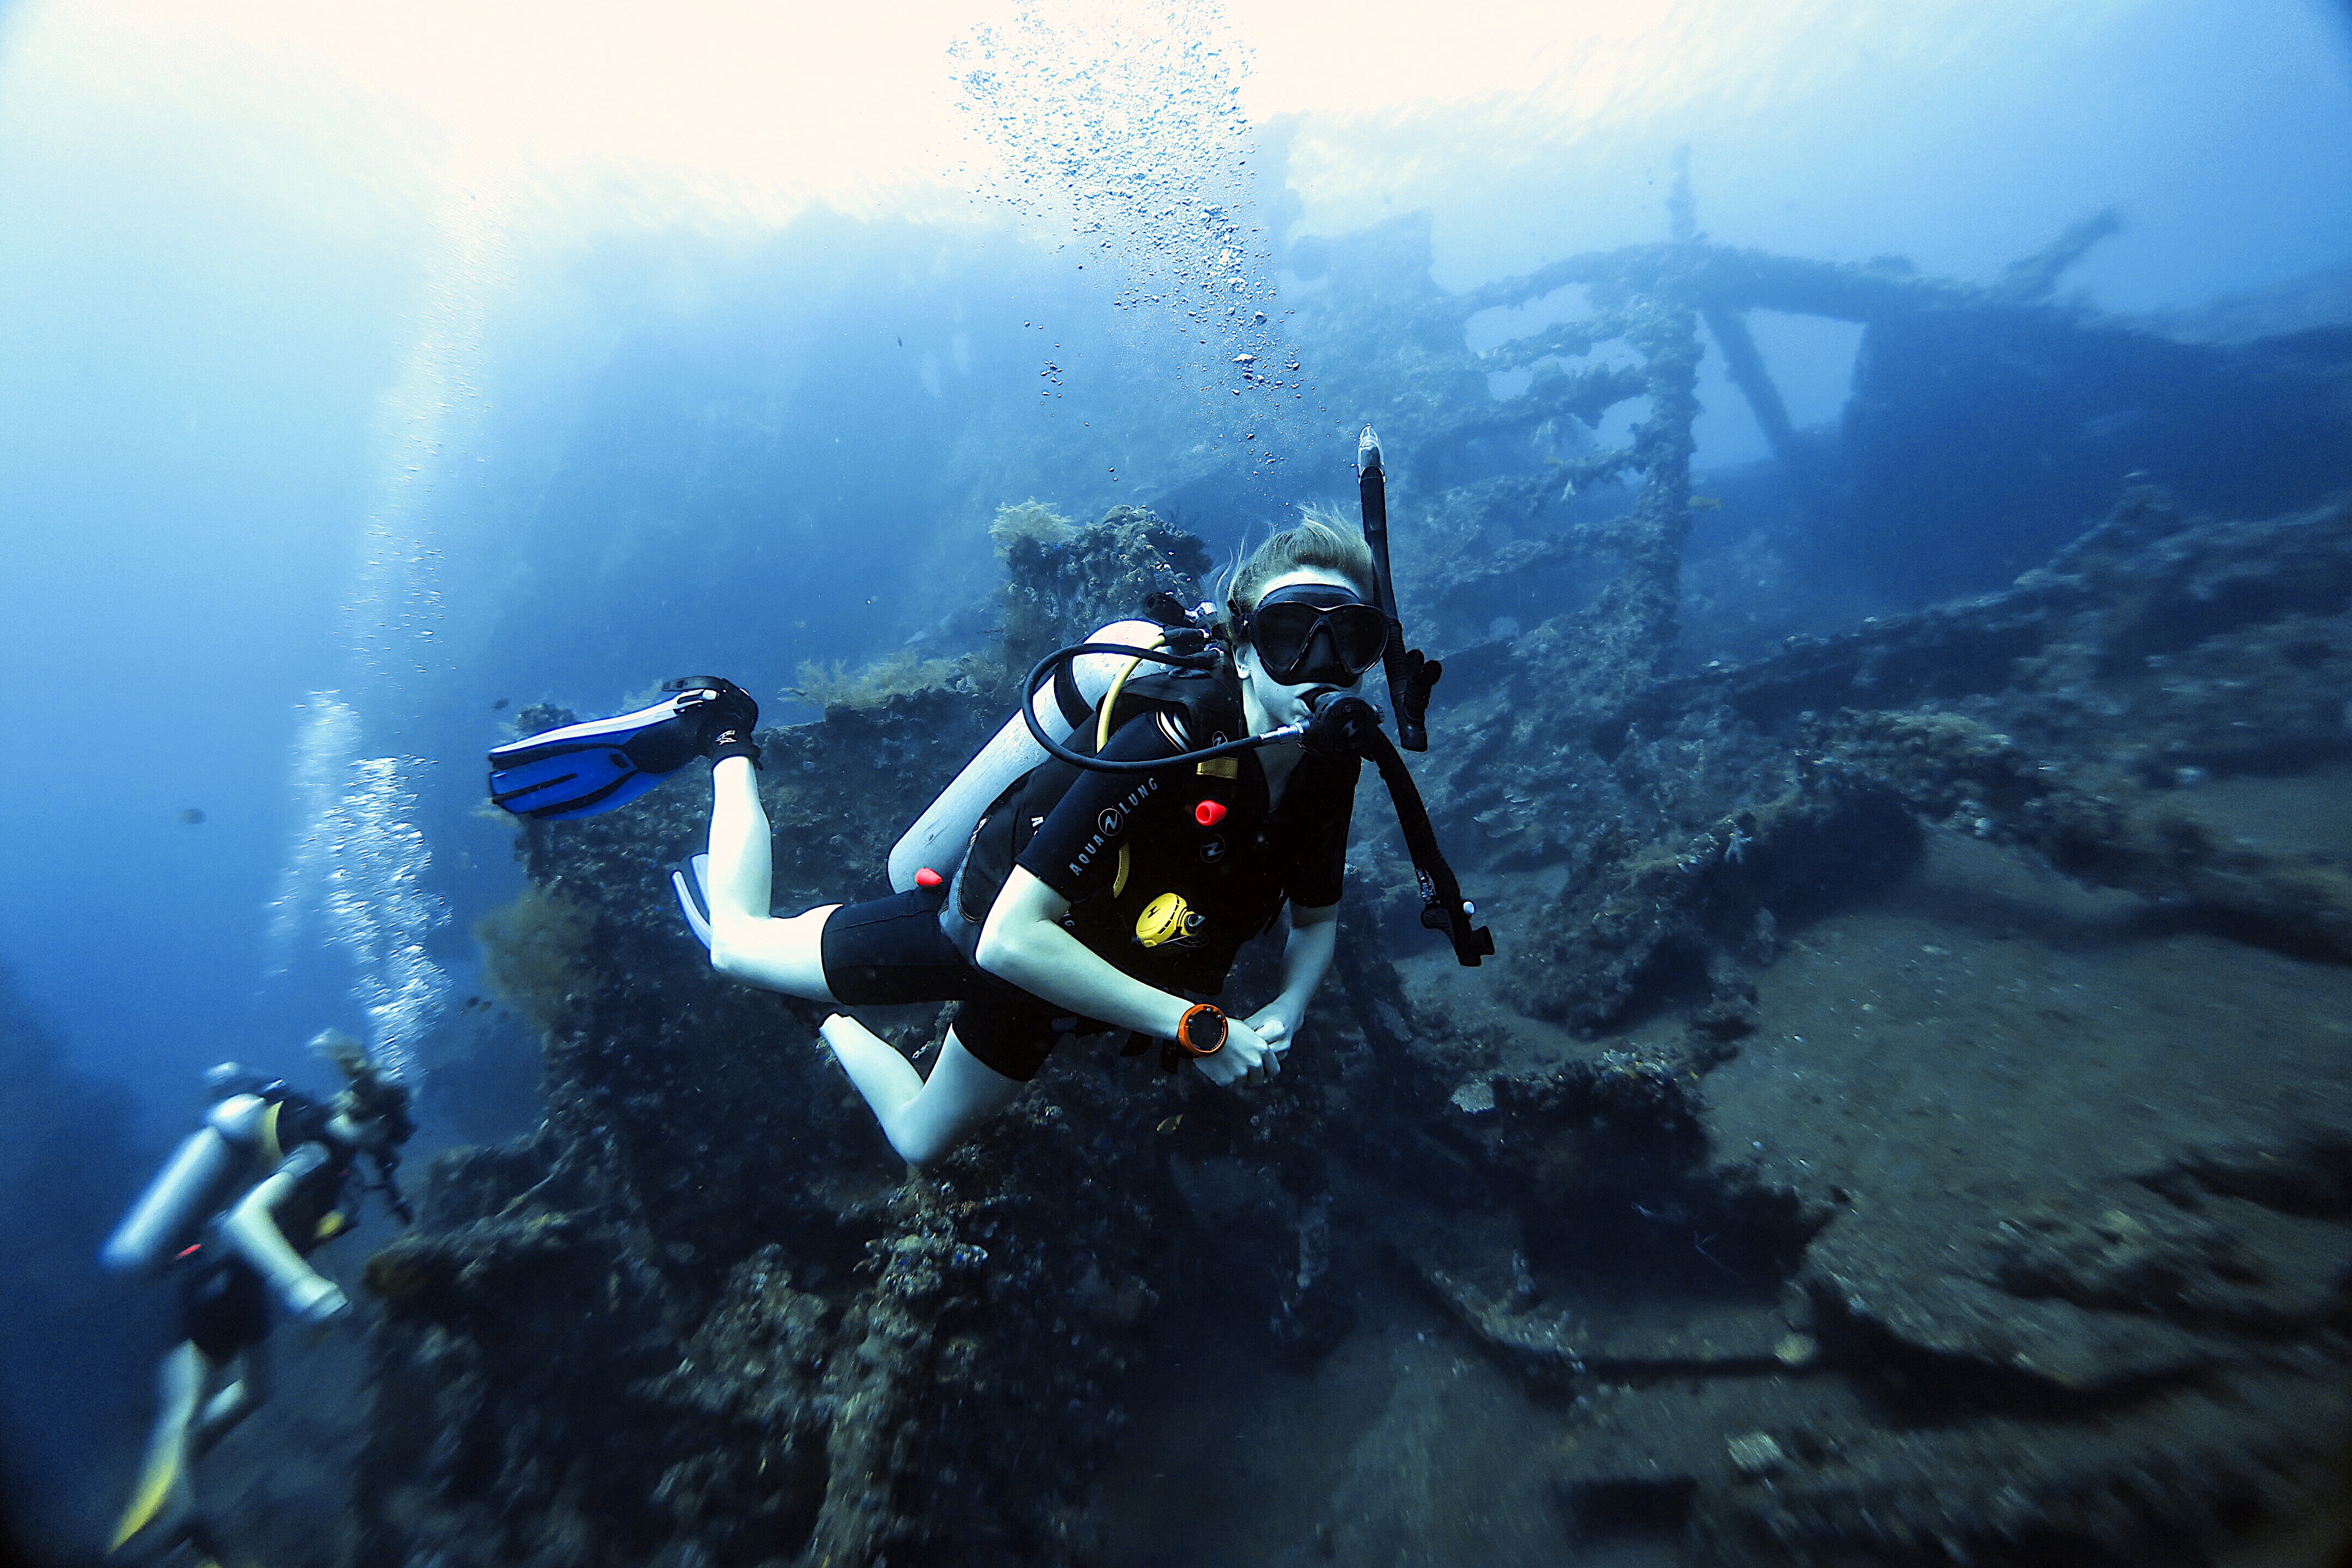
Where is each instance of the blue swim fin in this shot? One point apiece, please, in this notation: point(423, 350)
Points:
point(583, 769)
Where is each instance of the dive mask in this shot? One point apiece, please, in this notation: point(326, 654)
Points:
point(1315, 634)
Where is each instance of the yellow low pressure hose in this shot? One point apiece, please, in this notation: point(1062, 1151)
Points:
point(1102, 738)
point(1111, 698)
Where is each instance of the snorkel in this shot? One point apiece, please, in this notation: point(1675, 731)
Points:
point(1410, 674)
point(1341, 722)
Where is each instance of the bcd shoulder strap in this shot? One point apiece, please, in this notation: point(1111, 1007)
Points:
point(1209, 704)
point(1208, 707)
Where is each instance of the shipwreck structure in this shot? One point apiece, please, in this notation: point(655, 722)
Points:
point(1768, 1291)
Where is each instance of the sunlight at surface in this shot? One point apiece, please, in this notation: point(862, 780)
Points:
point(718, 112)
point(731, 113)
point(1555, 110)
point(1581, 64)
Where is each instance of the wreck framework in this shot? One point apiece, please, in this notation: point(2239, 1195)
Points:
point(804, 1358)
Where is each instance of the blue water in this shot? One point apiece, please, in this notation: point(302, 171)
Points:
point(306, 354)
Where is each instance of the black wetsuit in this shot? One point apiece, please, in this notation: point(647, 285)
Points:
point(1167, 873)
point(223, 1301)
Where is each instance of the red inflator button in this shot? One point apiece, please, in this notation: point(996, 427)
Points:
point(1208, 813)
point(926, 877)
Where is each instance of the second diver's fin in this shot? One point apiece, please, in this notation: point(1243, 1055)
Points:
point(691, 882)
point(583, 769)
point(159, 1506)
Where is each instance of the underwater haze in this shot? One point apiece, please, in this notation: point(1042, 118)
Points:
point(1878, 475)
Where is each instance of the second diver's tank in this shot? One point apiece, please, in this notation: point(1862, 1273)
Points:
point(199, 1179)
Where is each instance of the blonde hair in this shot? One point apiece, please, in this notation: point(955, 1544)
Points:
point(1320, 541)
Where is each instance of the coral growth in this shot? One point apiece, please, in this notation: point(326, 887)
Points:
point(1061, 582)
point(873, 685)
point(536, 953)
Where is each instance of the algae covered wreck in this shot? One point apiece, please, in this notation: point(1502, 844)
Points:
point(1894, 729)
point(1907, 1119)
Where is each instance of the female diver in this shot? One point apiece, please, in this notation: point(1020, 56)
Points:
point(1091, 900)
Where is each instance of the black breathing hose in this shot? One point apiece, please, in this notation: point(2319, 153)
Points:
point(1199, 658)
point(1353, 724)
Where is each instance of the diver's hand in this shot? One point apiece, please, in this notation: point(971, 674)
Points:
point(1277, 1022)
point(1246, 1058)
point(317, 1299)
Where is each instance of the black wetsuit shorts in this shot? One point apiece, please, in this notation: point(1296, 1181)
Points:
point(224, 1304)
point(888, 950)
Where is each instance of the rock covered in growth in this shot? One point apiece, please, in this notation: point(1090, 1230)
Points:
point(2061, 715)
point(1062, 581)
point(2130, 1368)
point(1681, 917)
point(701, 1317)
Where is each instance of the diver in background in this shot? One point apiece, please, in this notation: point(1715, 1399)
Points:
point(1087, 900)
point(269, 1178)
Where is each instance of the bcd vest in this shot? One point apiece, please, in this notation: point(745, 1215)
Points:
point(1182, 895)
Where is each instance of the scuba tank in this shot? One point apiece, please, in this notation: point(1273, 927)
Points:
point(938, 838)
point(198, 1179)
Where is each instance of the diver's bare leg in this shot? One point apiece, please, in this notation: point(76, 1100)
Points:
point(786, 956)
point(234, 1403)
point(922, 1119)
point(162, 1496)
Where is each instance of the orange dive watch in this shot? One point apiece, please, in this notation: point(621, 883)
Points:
point(1203, 1030)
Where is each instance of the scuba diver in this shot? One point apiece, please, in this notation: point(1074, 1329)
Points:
point(1098, 865)
point(270, 1177)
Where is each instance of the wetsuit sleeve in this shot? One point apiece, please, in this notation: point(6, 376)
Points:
point(1075, 851)
point(1317, 808)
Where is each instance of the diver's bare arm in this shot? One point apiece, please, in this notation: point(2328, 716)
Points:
point(786, 956)
point(1025, 943)
point(1305, 959)
point(741, 859)
point(252, 1228)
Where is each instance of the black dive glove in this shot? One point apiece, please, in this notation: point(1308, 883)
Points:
point(720, 727)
